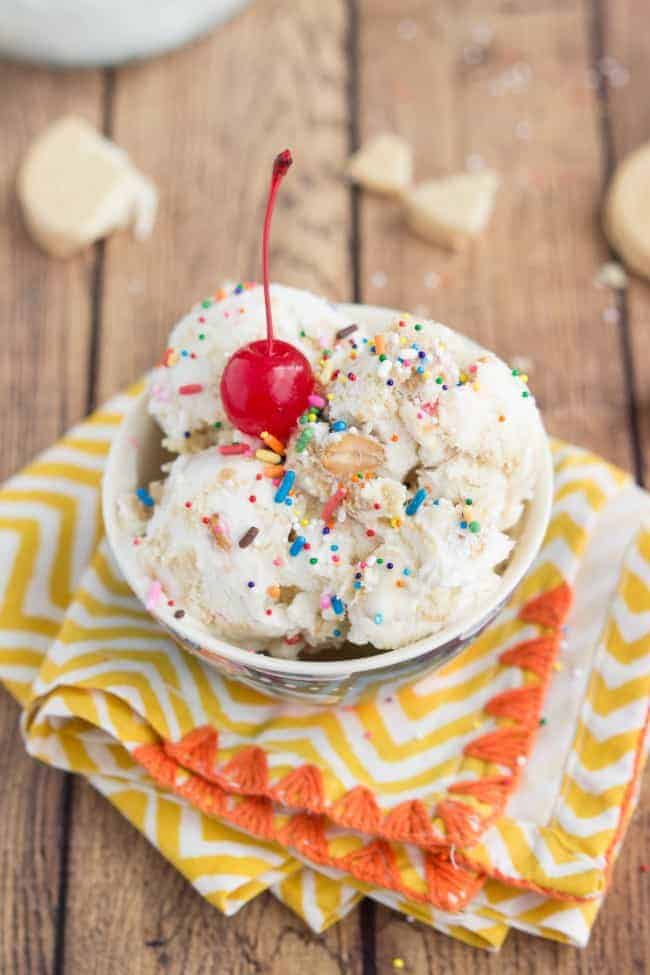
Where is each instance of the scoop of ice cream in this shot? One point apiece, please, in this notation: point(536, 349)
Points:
point(428, 571)
point(444, 408)
point(251, 565)
point(184, 390)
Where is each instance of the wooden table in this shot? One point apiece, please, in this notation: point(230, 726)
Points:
point(80, 890)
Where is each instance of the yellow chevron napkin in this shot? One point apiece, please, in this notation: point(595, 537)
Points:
point(402, 798)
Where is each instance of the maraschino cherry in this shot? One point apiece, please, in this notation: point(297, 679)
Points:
point(265, 384)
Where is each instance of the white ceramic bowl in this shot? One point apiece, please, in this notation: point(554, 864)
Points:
point(320, 682)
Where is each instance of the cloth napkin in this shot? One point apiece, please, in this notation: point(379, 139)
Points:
point(491, 794)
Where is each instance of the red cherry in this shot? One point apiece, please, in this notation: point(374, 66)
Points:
point(265, 384)
point(266, 392)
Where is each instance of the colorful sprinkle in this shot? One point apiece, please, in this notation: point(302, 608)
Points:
point(286, 484)
point(317, 401)
point(348, 330)
point(416, 502)
point(332, 504)
point(273, 442)
point(231, 449)
point(249, 537)
point(304, 439)
point(190, 389)
point(179, 614)
point(153, 595)
point(379, 618)
point(474, 526)
point(143, 495)
point(339, 425)
point(268, 456)
point(297, 545)
point(337, 605)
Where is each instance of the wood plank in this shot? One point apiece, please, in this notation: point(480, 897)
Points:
point(527, 287)
point(625, 38)
point(44, 336)
point(526, 109)
point(205, 123)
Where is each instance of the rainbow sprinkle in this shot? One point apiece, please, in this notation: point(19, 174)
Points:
point(416, 502)
point(286, 484)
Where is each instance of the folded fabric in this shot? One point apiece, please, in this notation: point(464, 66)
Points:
point(403, 797)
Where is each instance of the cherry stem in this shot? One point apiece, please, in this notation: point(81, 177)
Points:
point(280, 166)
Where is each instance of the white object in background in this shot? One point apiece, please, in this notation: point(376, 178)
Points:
point(382, 165)
point(75, 187)
point(452, 210)
point(92, 32)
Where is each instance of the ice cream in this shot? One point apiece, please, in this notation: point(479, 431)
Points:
point(389, 513)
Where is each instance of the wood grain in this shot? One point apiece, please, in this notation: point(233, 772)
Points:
point(205, 123)
point(626, 123)
point(44, 330)
point(525, 289)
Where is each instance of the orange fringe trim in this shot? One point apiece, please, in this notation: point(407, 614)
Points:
point(357, 809)
point(301, 789)
point(536, 655)
point(549, 609)
point(520, 704)
point(409, 822)
point(247, 773)
point(241, 793)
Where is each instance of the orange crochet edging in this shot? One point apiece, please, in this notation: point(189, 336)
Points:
point(241, 792)
point(463, 825)
point(549, 609)
point(443, 888)
point(307, 834)
point(197, 749)
point(448, 887)
point(535, 655)
point(247, 773)
point(410, 822)
point(521, 704)
point(301, 789)
point(357, 809)
point(255, 815)
point(505, 746)
point(493, 791)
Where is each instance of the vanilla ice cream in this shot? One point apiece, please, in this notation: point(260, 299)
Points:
point(393, 509)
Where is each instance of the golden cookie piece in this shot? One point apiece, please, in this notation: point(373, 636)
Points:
point(626, 214)
point(75, 187)
point(383, 165)
point(452, 210)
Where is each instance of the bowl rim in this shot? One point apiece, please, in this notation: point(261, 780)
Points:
point(524, 553)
